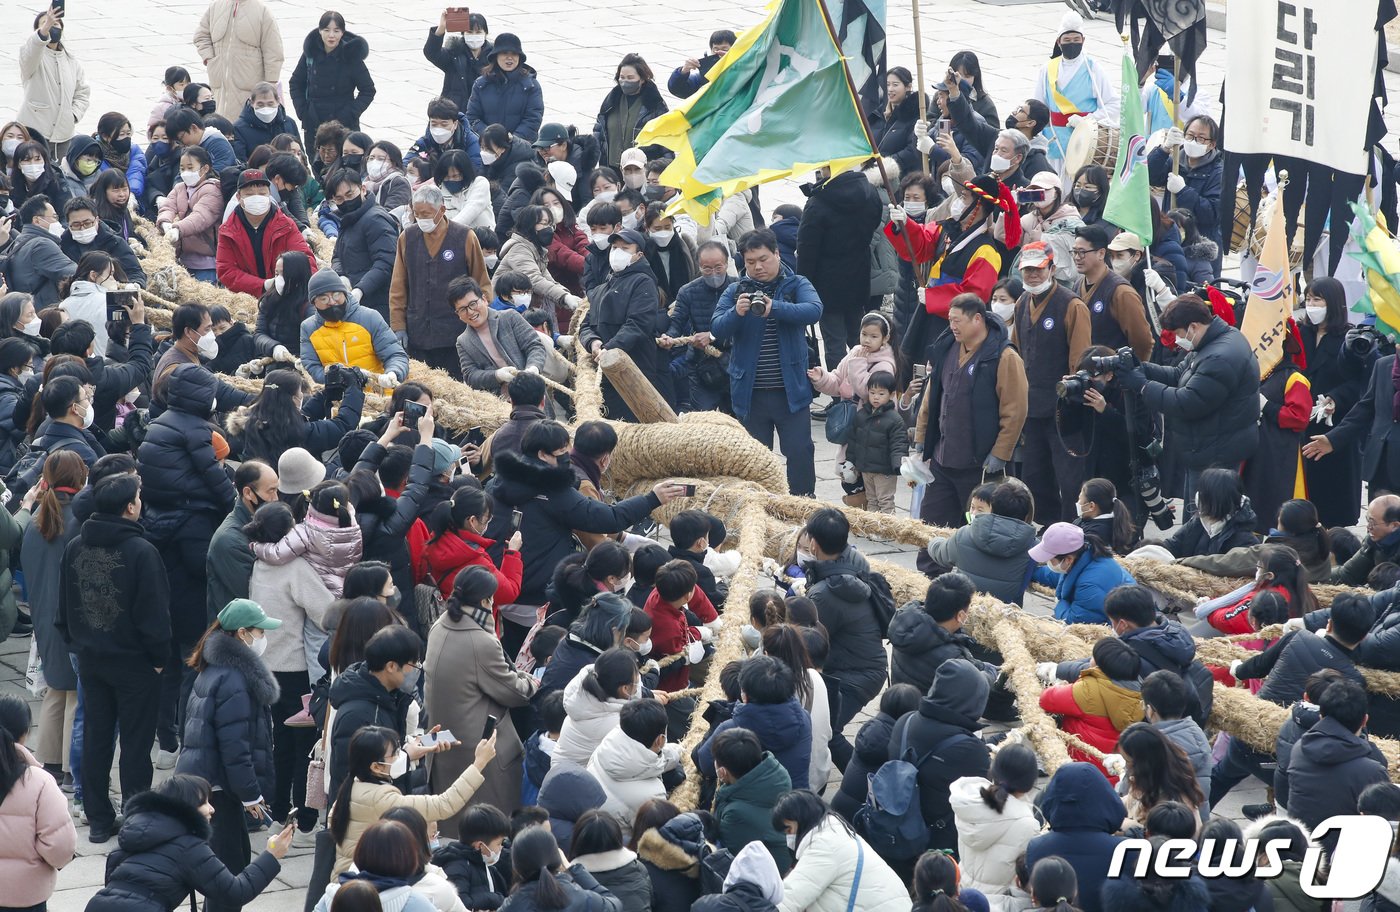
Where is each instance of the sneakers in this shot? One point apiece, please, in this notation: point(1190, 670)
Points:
point(100, 834)
point(1255, 811)
point(303, 718)
point(67, 784)
point(76, 809)
point(165, 760)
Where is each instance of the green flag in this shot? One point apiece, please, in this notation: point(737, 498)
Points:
point(1129, 203)
point(777, 104)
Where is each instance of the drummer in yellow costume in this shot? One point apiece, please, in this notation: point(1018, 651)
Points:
point(1073, 86)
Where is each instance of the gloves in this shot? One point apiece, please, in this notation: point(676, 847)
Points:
point(172, 234)
point(355, 295)
point(848, 473)
point(925, 144)
point(1235, 669)
point(565, 342)
point(504, 374)
point(572, 301)
point(706, 635)
point(160, 201)
point(306, 234)
point(402, 336)
point(532, 369)
point(131, 207)
point(1115, 765)
point(1075, 120)
point(1045, 671)
point(921, 128)
point(387, 380)
point(1153, 280)
point(1175, 183)
point(994, 465)
point(1293, 624)
point(1134, 380)
point(1173, 138)
point(1322, 410)
point(280, 353)
point(898, 215)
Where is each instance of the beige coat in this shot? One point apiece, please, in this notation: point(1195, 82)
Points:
point(241, 46)
point(468, 679)
point(56, 92)
point(371, 800)
point(36, 836)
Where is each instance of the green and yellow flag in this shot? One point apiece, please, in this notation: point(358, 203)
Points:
point(1129, 203)
point(778, 104)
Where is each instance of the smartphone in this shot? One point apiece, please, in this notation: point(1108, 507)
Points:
point(690, 489)
point(1030, 195)
point(476, 437)
point(490, 728)
point(945, 125)
point(59, 5)
point(117, 304)
point(515, 517)
point(920, 371)
point(429, 739)
point(458, 19)
point(412, 411)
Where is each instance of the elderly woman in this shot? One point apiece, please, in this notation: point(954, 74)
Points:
point(497, 344)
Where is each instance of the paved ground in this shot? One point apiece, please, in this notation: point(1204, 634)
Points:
point(125, 46)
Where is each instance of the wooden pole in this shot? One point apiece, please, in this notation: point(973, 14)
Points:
point(919, 71)
point(1176, 116)
point(634, 388)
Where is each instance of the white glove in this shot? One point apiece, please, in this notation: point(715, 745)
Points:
point(1235, 669)
point(243, 370)
point(306, 233)
point(707, 635)
point(355, 295)
point(1173, 138)
point(504, 374)
point(1175, 183)
point(131, 206)
point(532, 369)
point(572, 301)
point(1045, 671)
point(925, 144)
point(898, 215)
point(848, 473)
point(1115, 765)
point(160, 201)
point(921, 128)
point(1293, 624)
point(387, 380)
point(137, 247)
point(1153, 280)
point(172, 234)
point(565, 342)
point(1075, 120)
point(280, 353)
point(255, 368)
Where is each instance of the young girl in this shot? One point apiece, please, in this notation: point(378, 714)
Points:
point(1267, 608)
point(1157, 771)
point(936, 884)
point(766, 608)
point(849, 379)
point(879, 442)
point(1102, 514)
point(995, 820)
point(328, 537)
point(1278, 571)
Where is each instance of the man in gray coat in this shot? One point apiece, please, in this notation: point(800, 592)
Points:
point(37, 263)
point(229, 565)
point(497, 344)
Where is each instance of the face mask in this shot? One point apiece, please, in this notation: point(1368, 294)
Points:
point(619, 259)
point(158, 148)
point(629, 86)
point(207, 108)
point(410, 679)
point(426, 225)
point(605, 196)
point(85, 235)
point(32, 170)
point(634, 181)
point(452, 186)
point(600, 240)
point(804, 558)
point(488, 158)
point(56, 229)
point(631, 220)
point(351, 205)
point(694, 652)
point(32, 327)
point(1000, 163)
point(1084, 197)
point(208, 346)
point(623, 583)
point(644, 649)
point(86, 167)
point(1042, 288)
point(562, 462)
point(957, 208)
point(557, 212)
point(333, 314)
point(190, 178)
point(28, 374)
point(791, 841)
point(662, 238)
point(266, 115)
point(440, 135)
point(54, 35)
point(1004, 311)
point(715, 281)
point(257, 204)
point(474, 41)
point(88, 416)
point(751, 635)
point(545, 236)
point(1072, 51)
point(376, 168)
point(916, 209)
point(1316, 314)
point(352, 161)
point(122, 145)
point(9, 146)
point(1193, 149)
point(392, 601)
point(521, 299)
point(491, 260)
point(1124, 265)
point(491, 858)
point(259, 646)
point(1078, 510)
point(279, 283)
point(1183, 343)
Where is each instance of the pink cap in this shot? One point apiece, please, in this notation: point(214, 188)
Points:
point(1060, 538)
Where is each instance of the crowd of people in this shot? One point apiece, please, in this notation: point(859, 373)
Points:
point(462, 670)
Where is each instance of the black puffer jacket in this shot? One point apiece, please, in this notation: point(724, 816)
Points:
point(1302, 716)
point(519, 185)
point(625, 313)
point(110, 243)
point(1210, 400)
point(228, 721)
point(465, 867)
point(359, 700)
point(365, 251)
point(1328, 769)
point(839, 209)
point(872, 750)
point(842, 597)
point(879, 440)
point(12, 433)
point(624, 876)
point(552, 508)
point(249, 131)
point(177, 464)
point(1192, 539)
point(459, 70)
point(894, 134)
point(163, 855)
point(1287, 663)
point(585, 895)
point(334, 86)
point(921, 644)
point(385, 521)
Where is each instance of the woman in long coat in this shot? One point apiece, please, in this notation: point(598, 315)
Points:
point(467, 680)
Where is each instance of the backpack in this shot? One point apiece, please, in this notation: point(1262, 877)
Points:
point(29, 468)
point(881, 601)
point(892, 818)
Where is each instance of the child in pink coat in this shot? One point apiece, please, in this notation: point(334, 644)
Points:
point(36, 831)
point(849, 379)
point(329, 538)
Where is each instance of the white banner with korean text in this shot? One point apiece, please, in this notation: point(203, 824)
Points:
point(1299, 79)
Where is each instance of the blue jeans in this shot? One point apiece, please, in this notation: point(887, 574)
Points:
point(206, 275)
point(75, 745)
point(769, 411)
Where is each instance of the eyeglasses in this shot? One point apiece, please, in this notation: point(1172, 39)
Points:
point(1080, 253)
point(469, 306)
point(81, 226)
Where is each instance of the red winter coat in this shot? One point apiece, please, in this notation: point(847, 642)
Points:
point(234, 261)
point(455, 551)
point(566, 258)
point(670, 632)
point(1095, 709)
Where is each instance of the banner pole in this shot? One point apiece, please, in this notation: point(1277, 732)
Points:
point(919, 69)
point(1176, 116)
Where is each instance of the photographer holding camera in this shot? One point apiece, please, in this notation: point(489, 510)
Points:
point(765, 315)
point(1375, 417)
point(1210, 400)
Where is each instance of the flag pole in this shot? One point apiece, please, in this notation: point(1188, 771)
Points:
point(1176, 115)
point(919, 68)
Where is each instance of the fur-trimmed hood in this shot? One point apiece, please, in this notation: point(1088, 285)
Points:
point(1203, 249)
point(153, 820)
point(531, 472)
point(231, 652)
point(677, 845)
point(352, 46)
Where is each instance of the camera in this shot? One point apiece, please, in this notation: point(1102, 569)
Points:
point(1122, 360)
point(1362, 341)
point(337, 377)
point(1072, 388)
point(128, 436)
point(758, 301)
point(1149, 488)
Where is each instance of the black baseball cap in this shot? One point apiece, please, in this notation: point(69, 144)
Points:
point(552, 134)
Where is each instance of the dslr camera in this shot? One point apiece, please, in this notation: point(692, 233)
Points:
point(1362, 341)
point(1072, 388)
point(337, 378)
point(758, 301)
point(1149, 488)
point(1121, 360)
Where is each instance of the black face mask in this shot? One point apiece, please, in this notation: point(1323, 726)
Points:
point(546, 236)
point(122, 145)
point(54, 35)
point(333, 314)
point(562, 461)
point(351, 205)
point(352, 161)
point(1084, 197)
point(1011, 121)
point(207, 108)
point(1071, 51)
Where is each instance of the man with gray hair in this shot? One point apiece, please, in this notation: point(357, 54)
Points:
point(1008, 153)
point(262, 120)
point(432, 252)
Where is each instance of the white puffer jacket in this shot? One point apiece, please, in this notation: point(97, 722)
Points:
point(825, 874)
point(630, 774)
point(588, 723)
point(988, 842)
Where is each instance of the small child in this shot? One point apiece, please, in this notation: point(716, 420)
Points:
point(879, 442)
point(675, 592)
point(766, 608)
point(723, 564)
point(539, 747)
point(528, 816)
point(690, 532)
point(328, 537)
point(1302, 716)
point(1383, 576)
point(1164, 699)
point(849, 379)
point(1267, 609)
point(490, 247)
point(1102, 703)
point(473, 862)
point(638, 641)
point(645, 562)
point(542, 647)
point(513, 292)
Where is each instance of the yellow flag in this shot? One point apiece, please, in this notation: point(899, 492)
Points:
point(1270, 301)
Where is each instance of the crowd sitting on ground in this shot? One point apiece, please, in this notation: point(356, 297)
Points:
point(481, 666)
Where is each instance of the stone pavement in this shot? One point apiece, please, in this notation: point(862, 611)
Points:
point(125, 46)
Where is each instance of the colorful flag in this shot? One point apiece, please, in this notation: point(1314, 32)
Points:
point(778, 104)
point(1270, 302)
point(860, 30)
point(1129, 203)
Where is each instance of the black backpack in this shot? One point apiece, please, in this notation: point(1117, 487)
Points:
point(29, 468)
point(881, 601)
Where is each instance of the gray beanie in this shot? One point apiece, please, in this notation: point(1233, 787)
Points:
point(325, 280)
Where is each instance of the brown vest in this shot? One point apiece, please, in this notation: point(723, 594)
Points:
point(1044, 348)
point(431, 321)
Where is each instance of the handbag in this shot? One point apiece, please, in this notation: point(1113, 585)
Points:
point(316, 777)
point(840, 421)
point(428, 602)
point(34, 672)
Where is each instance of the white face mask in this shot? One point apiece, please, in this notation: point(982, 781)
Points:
point(1184, 343)
point(9, 146)
point(1123, 265)
point(259, 646)
point(999, 163)
point(426, 225)
point(600, 240)
point(521, 299)
point(751, 635)
point(376, 168)
point(266, 114)
point(488, 158)
point(623, 583)
point(1078, 510)
point(634, 181)
point(916, 209)
point(791, 841)
point(56, 229)
point(190, 178)
point(88, 416)
point(208, 346)
point(85, 235)
point(804, 558)
point(279, 283)
point(474, 42)
point(663, 238)
point(32, 170)
point(558, 213)
point(440, 135)
point(491, 260)
point(619, 259)
point(26, 375)
point(694, 652)
point(644, 649)
point(1042, 288)
point(258, 204)
point(31, 328)
point(1004, 311)
point(1316, 314)
point(631, 220)
point(948, 185)
point(1193, 149)
point(957, 208)
point(605, 196)
point(494, 857)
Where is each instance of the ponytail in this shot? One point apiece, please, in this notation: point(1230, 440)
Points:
point(1124, 532)
point(330, 498)
point(994, 795)
point(451, 515)
point(550, 893)
point(614, 669)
